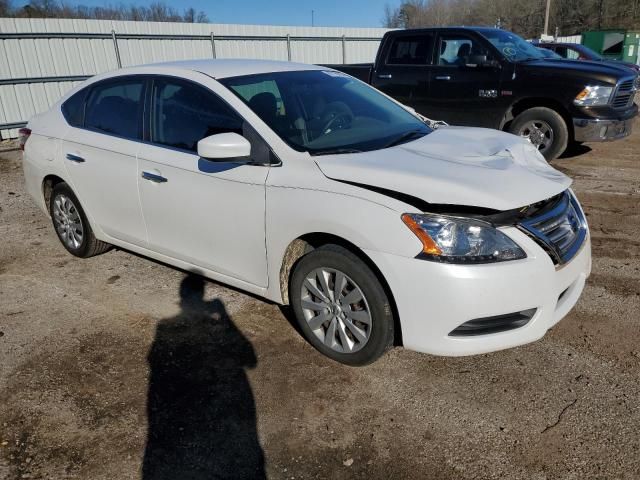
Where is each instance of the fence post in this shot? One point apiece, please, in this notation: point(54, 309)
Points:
point(344, 50)
point(213, 45)
point(115, 47)
point(288, 47)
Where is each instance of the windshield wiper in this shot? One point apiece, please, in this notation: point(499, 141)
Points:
point(335, 151)
point(406, 136)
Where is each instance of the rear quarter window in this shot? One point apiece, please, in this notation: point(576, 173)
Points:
point(73, 109)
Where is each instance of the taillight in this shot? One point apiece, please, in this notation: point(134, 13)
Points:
point(23, 136)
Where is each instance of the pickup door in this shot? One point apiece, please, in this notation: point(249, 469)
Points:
point(431, 72)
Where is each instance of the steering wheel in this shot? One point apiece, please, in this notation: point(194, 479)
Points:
point(336, 114)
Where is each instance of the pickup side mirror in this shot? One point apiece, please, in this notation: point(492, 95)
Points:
point(481, 61)
point(225, 146)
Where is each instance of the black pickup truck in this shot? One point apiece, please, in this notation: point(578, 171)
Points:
point(493, 78)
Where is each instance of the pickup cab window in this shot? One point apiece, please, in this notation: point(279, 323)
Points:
point(410, 50)
point(457, 49)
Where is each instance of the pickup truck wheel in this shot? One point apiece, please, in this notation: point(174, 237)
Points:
point(544, 128)
point(71, 225)
point(340, 306)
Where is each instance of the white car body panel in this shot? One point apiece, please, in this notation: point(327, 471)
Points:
point(456, 166)
point(233, 223)
point(200, 201)
point(106, 182)
point(433, 298)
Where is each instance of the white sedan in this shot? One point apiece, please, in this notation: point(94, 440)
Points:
point(306, 186)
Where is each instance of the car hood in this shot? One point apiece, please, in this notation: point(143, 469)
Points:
point(587, 69)
point(457, 166)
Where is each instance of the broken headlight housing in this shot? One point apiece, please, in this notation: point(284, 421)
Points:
point(461, 240)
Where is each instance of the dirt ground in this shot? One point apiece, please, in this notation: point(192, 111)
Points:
point(118, 367)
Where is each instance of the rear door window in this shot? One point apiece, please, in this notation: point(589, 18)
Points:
point(115, 107)
point(410, 50)
point(184, 113)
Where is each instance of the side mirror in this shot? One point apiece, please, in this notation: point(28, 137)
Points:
point(224, 146)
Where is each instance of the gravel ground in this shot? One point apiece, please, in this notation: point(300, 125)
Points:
point(107, 371)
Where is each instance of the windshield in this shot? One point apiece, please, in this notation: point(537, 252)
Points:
point(515, 48)
point(324, 112)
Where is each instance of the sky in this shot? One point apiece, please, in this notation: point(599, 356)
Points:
point(327, 13)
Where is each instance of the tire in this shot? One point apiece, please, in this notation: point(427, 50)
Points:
point(71, 225)
point(543, 118)
point(344, 335)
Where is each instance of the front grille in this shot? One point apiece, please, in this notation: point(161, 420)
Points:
point(559, 229)
point(625, 92)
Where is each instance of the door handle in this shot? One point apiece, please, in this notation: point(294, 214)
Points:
point(75, 158)
point(385, 75)
point(152, 177)
point(443, 77)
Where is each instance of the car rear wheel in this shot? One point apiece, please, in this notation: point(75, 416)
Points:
point(340, 306)
point(71, 225)
point(544, 128)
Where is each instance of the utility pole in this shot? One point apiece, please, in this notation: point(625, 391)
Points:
point(546, 17)
point(312, 22)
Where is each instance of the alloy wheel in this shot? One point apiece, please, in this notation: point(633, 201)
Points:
point(67, 221)
point(336, 310)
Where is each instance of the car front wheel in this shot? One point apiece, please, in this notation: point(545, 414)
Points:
point(340, 306)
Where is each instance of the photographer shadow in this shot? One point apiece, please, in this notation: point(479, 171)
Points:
point(200, 407)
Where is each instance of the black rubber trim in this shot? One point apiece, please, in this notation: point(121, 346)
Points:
point(497, 218)
point(423, 205)
point(495, 324)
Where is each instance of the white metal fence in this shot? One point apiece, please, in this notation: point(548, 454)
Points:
point(569, 39)
point(41, 59)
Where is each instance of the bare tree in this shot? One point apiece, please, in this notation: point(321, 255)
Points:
point(525, 17)
point(155, 12)
point(202, 17)
point(392, 17)
point(5, 8)
point(191, 16)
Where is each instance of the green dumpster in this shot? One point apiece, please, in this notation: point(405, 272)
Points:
point(608, 43)
point(631, 48)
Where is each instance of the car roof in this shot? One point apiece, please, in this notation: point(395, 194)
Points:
point(452, 28)
point(228, 67)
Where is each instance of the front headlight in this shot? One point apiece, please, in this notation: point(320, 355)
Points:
point(593, 95)
point(461, 240)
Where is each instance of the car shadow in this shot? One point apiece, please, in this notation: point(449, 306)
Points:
point(575, 150)
point(200, 407)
